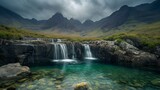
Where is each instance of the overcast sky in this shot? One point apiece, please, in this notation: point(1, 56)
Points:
point(78, 9)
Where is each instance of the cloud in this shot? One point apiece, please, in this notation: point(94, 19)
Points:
point(78, 9)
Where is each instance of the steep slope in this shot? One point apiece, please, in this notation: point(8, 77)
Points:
point(58, 21)
point(146, 13)
point(8, 17)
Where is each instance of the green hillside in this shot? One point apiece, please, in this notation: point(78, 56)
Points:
point(13, 33)
point(146, 34)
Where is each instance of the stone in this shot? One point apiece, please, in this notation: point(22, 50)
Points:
point(58, 82)
point(30, 87)
point(59, 87)
point(156, 82)
point(12, 70)
point(60, 77)
point(81, 86)
point(11, 88)
point(22, 80)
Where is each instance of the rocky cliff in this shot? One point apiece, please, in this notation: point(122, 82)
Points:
point(122, 53)
point(108, 52)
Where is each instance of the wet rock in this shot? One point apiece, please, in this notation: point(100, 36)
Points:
point(12, 70)
point(58, 82)
point(31, 87)
point(81, 86)
point(59, 87)
point(11, 88)
point(60, 77)
point(124, 54)
point(156, 82)
point(22, 80)
point(137, 84)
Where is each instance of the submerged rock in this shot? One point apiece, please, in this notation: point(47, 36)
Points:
point(12, 70)
point(81, 86)
point(156, 82)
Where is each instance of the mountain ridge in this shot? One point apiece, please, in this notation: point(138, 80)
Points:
point(146, 13)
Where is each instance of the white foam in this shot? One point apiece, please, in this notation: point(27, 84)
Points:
point(65, 60)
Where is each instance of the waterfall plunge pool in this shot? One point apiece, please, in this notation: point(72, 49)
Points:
point(97, 76)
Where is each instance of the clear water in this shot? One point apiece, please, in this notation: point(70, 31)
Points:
point(98, 76)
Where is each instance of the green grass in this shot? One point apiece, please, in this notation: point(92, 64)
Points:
point(147, 34)
point(13, 33)
point(16, 34)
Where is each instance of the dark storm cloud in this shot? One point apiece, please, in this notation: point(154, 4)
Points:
point(78, 9)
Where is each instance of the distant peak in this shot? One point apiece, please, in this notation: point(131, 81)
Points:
point(72, 19)
point(34, 19)
point(124, 7)
point(58, 14)
point(88, 20)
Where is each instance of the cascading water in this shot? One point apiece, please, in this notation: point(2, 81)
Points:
point(60, 53)
point(88, 53)
point(73, 52)
point(56, 51)
point(64, 51)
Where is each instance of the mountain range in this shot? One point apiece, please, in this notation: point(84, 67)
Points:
point(145, 13)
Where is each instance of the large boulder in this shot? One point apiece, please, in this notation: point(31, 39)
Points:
point(13, 70)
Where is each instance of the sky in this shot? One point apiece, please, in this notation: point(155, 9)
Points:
point(77, 9)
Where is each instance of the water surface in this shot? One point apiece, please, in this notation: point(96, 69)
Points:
point(98, 76)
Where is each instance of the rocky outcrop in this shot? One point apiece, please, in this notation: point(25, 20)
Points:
point(35, 52)
point(76, 49)
point(123, 53)
point(13, 70)
point(114, 52)
point(26, 54)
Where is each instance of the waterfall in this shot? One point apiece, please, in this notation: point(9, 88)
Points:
point(73, 52)
point(60, 51)
point(56, 51)
point(88, 53)
point(64, 51)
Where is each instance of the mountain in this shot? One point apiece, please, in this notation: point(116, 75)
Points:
point(144, 13)
point(8, 17)
point(57, 21)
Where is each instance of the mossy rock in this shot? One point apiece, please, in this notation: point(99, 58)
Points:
point(60, 77)
point(156, 82)
point(58, 82)
point(81, 86)
point(137, 84)
point(22, 80)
